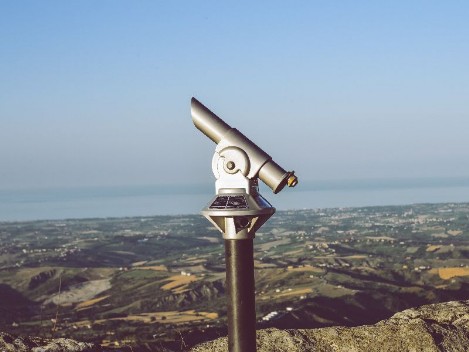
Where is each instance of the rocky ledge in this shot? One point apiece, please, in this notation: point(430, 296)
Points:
point(434, 327)
point(10, 343)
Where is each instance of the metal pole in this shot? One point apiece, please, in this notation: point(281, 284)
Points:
point(240, 295)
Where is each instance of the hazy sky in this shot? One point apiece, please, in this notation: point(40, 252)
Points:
point(98, 92)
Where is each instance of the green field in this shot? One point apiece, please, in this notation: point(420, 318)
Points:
point(150, 282)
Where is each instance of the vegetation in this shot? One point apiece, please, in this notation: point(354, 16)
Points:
point(158, 282)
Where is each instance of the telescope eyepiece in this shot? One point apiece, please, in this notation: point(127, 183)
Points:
point(292, 180)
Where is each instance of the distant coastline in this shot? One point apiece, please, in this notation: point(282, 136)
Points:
point(91, 202)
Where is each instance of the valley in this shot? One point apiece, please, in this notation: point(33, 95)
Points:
point(158, 282)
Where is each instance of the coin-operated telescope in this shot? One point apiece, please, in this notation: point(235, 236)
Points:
point(238, 211)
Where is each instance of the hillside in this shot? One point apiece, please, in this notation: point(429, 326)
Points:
point(153, 282)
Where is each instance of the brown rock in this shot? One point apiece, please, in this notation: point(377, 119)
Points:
point(10, 343)
point(435, 327)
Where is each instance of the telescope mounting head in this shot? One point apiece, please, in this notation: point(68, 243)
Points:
point(238, 210)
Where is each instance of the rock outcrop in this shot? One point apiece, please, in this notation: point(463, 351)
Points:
point(435, 327)
point(10, 343)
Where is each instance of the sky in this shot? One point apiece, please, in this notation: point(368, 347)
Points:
point(97, 93)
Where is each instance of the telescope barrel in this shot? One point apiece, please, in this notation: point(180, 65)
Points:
point(274, 176)
point(207, 122)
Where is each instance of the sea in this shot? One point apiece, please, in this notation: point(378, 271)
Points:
point(129, 201)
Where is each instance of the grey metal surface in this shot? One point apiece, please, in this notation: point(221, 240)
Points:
point(240, 295)
point(230, 206)
point(207, 122)
point(259, 163)
point(257, 156)
point(274, 176)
